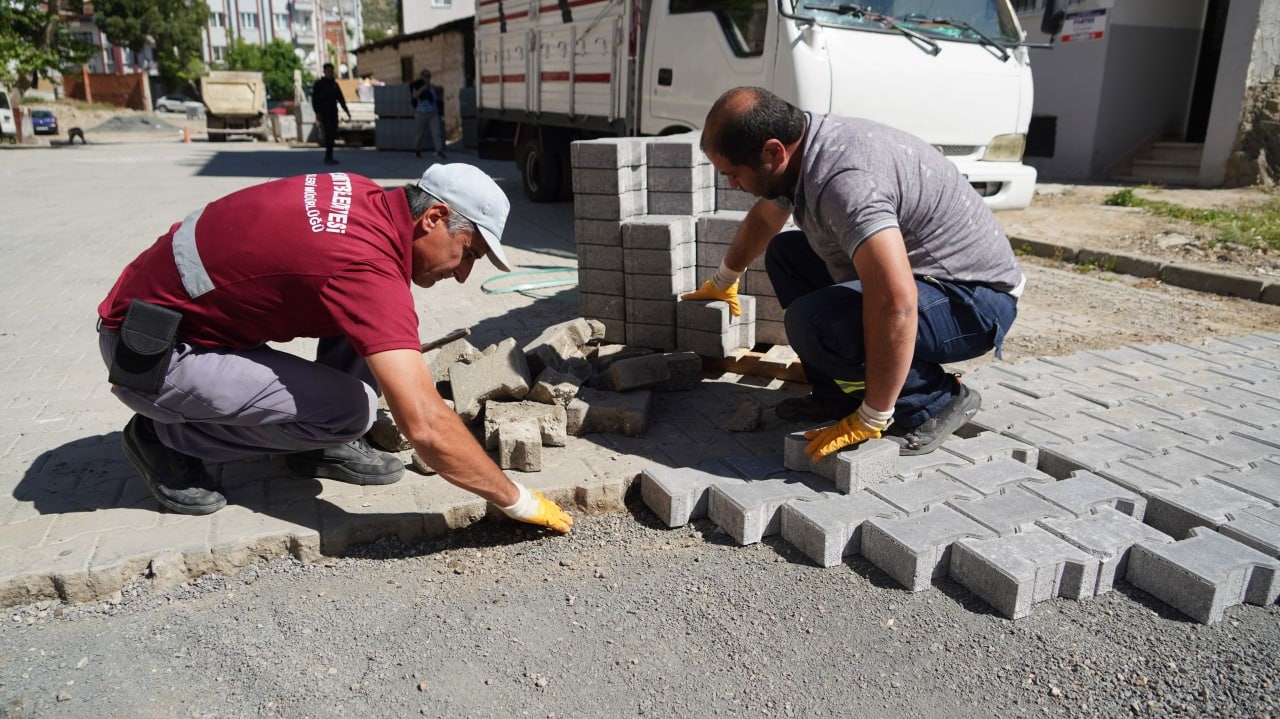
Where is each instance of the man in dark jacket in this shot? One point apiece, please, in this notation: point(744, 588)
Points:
point(326, 95)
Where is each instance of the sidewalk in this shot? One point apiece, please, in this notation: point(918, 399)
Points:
point(76, 523)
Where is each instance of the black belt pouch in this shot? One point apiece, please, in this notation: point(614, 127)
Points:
point(147, 336)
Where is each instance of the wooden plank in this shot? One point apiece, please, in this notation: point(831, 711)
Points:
point(754, 363)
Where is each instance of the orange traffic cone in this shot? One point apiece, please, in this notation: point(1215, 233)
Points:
point(186, 135)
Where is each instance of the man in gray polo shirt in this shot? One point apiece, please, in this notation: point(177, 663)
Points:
point(898, 267)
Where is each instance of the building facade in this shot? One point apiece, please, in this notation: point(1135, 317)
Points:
point(423, 15)
point(1178, 92)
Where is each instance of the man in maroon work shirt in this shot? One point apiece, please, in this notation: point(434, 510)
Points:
point(185, 328)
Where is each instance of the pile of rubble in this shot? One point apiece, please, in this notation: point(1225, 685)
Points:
point(567, 381)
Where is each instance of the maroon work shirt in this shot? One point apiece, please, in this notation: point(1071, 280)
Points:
point(317, 255)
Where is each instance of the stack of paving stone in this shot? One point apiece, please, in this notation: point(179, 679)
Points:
point(651, 220)
point(1158, 465)
point(564, 382)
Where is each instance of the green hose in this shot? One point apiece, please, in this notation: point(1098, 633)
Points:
point(529, 289)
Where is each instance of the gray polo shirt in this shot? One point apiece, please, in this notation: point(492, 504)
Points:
point(859, 177)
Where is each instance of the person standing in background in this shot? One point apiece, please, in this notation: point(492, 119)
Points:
point(428, 103)
point(326, 95)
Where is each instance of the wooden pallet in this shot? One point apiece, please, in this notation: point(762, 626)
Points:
point(773, 361)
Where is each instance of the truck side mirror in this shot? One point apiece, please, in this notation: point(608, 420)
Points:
point(1054, 16)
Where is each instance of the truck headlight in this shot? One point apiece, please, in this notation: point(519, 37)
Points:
point(1005, 148)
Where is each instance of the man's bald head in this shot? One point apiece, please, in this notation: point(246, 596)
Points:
point(743, 119)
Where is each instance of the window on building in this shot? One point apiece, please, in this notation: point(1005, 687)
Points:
point(441, 3)
point(248, 19)
point(218, 53)
point(217, 19)
point(282, 19)
point(743, 23)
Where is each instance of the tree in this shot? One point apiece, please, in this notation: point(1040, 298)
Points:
point(35, 42)
point(171, 27)
point(276, 61)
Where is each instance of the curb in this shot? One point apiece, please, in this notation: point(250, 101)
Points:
point(1257, 289)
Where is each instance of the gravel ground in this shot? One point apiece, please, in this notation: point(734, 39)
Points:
point(622, 618)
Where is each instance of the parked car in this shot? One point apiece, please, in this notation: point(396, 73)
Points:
point(172, 103)
point(280, 107)
point(44, 122)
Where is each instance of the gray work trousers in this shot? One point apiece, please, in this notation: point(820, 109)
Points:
point(221, 405)
point(429, 122)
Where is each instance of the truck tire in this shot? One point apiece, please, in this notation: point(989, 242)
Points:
point(539, 171)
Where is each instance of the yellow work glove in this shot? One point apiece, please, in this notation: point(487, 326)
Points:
point(534, 508)
point(858, 427)
point(709, 291)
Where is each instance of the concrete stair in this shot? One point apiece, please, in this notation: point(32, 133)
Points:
point(1164, 163)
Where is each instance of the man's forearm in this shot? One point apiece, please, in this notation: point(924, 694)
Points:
point(890, 336)
point(763, 221)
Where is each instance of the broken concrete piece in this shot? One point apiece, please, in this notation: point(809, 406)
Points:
point(548, 419)
point(616, 412)
point(554, 387)
point(459, 350)
point(605, 355)
point(386, 435)
point(419, 465)
point(520, 447)
point(746, 418)
point(685, 370)
point(501, 373)
point(557, 344)
point(636, 373)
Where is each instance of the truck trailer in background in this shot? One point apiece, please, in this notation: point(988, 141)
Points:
point(236, 103)
point(956, 73)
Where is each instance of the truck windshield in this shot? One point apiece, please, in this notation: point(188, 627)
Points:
point(980, 21)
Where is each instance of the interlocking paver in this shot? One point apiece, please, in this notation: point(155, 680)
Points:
point(1257, 528)
point(1109, 535)
point(679, 496)
point(1261, 480)
point(1204, 503)
point(749, 511)
point(1008, 511)
point(1204, 574)
point(915, 550)
point(1013, 572)
point(993, 476)
point(1084, 492)
point(828, 529)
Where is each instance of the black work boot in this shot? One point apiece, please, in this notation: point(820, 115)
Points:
point(179, 482)
point(354, 462)
point(928, 435)
point(815, 408)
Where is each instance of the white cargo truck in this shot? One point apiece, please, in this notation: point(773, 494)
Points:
point(954, 72)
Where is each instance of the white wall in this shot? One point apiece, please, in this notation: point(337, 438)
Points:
point(1111, 94)
point(1235, 69)
point(422, 15)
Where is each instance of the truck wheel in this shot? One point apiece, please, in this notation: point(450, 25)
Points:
point(217, 137)
point(539, 171)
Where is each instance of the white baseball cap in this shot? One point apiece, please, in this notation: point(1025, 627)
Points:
point(468, 191)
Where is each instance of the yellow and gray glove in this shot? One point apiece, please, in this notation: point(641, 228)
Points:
point(722, 286)
point(534, 508)
point(858, 427)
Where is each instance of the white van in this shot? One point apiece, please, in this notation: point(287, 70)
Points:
point(8, 128)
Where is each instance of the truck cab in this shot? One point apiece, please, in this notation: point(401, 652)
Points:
point(955, 73)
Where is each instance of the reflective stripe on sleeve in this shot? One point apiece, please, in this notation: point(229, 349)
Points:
point(185, 255)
